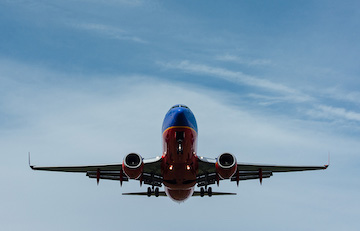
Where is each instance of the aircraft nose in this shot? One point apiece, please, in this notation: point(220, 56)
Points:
point(179, 116)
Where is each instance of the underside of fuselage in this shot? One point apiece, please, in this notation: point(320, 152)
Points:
point(179, 162)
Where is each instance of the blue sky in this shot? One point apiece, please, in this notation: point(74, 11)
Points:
point(86, 82)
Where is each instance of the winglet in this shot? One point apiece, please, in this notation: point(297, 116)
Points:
point(327, 165)
point(31, 166)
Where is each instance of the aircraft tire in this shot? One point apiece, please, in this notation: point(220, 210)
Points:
point(209, 191)
point(202, 192)
point(149, 192)
point(156, 192)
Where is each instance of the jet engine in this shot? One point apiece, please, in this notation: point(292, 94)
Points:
point(133, 165)
point(226, 165)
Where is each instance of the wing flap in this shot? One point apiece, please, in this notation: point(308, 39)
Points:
point(107, 175)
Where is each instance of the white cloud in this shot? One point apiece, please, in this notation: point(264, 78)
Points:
point(108, 31)
point(342, 95)
point(328, 112)
point(240, 78)
point(283, 93)
point(98, 119)
point(240, 60)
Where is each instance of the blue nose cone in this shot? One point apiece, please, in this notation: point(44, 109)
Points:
point(179, 115)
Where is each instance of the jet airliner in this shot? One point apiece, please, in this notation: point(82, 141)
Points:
point(179, 169)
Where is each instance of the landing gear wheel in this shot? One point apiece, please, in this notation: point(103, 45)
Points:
point(209, 191)
point(202, 192)
point(149, 192)
point(156, 192)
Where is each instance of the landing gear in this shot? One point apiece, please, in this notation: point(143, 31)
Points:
point(207, 190)
point(151, 191)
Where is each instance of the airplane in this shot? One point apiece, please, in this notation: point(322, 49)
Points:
point(179, 169)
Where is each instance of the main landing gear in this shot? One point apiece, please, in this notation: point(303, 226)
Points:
point(151, 191)
point(208, 192)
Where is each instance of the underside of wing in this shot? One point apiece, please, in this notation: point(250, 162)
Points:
point(256, 171)
point(106, 171)
point(208, 174)
point(85, 168)
point(151, 173)
point(278, 168)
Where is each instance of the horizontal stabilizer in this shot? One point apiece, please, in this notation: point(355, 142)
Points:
point(197, 194)
point(163, 194)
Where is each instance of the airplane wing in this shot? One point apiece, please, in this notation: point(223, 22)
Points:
point(151, 173)
point(207, 172)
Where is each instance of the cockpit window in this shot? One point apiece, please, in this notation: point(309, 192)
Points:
point(180, 105)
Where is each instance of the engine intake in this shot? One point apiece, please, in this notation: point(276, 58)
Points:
point(226, 165)
point(133, 165)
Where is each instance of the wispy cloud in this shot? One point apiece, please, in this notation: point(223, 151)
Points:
point(268, 92)
point(241, 60)
point(328, 112)
point(108, 31)
point(133, 3)
point(240, 78)
point(339, 94)
point(266, 100)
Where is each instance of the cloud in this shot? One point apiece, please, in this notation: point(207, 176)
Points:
point(240, 60)
point(240, 78)
point(328, 112)
point(132, 3)
point(108, 31)
point(268, 93)
point(68, 119)
point(266, 100)
point(342, 95)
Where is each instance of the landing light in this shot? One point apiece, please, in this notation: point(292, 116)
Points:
point(188, 167)
point(171, 167)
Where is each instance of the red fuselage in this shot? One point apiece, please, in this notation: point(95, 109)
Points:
point(179, 160)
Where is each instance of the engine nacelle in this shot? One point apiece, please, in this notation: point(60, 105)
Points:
point(133, 165)
point(226, 165)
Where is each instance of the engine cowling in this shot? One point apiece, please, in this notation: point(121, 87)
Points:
point(133, 165)
point(226, 165)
